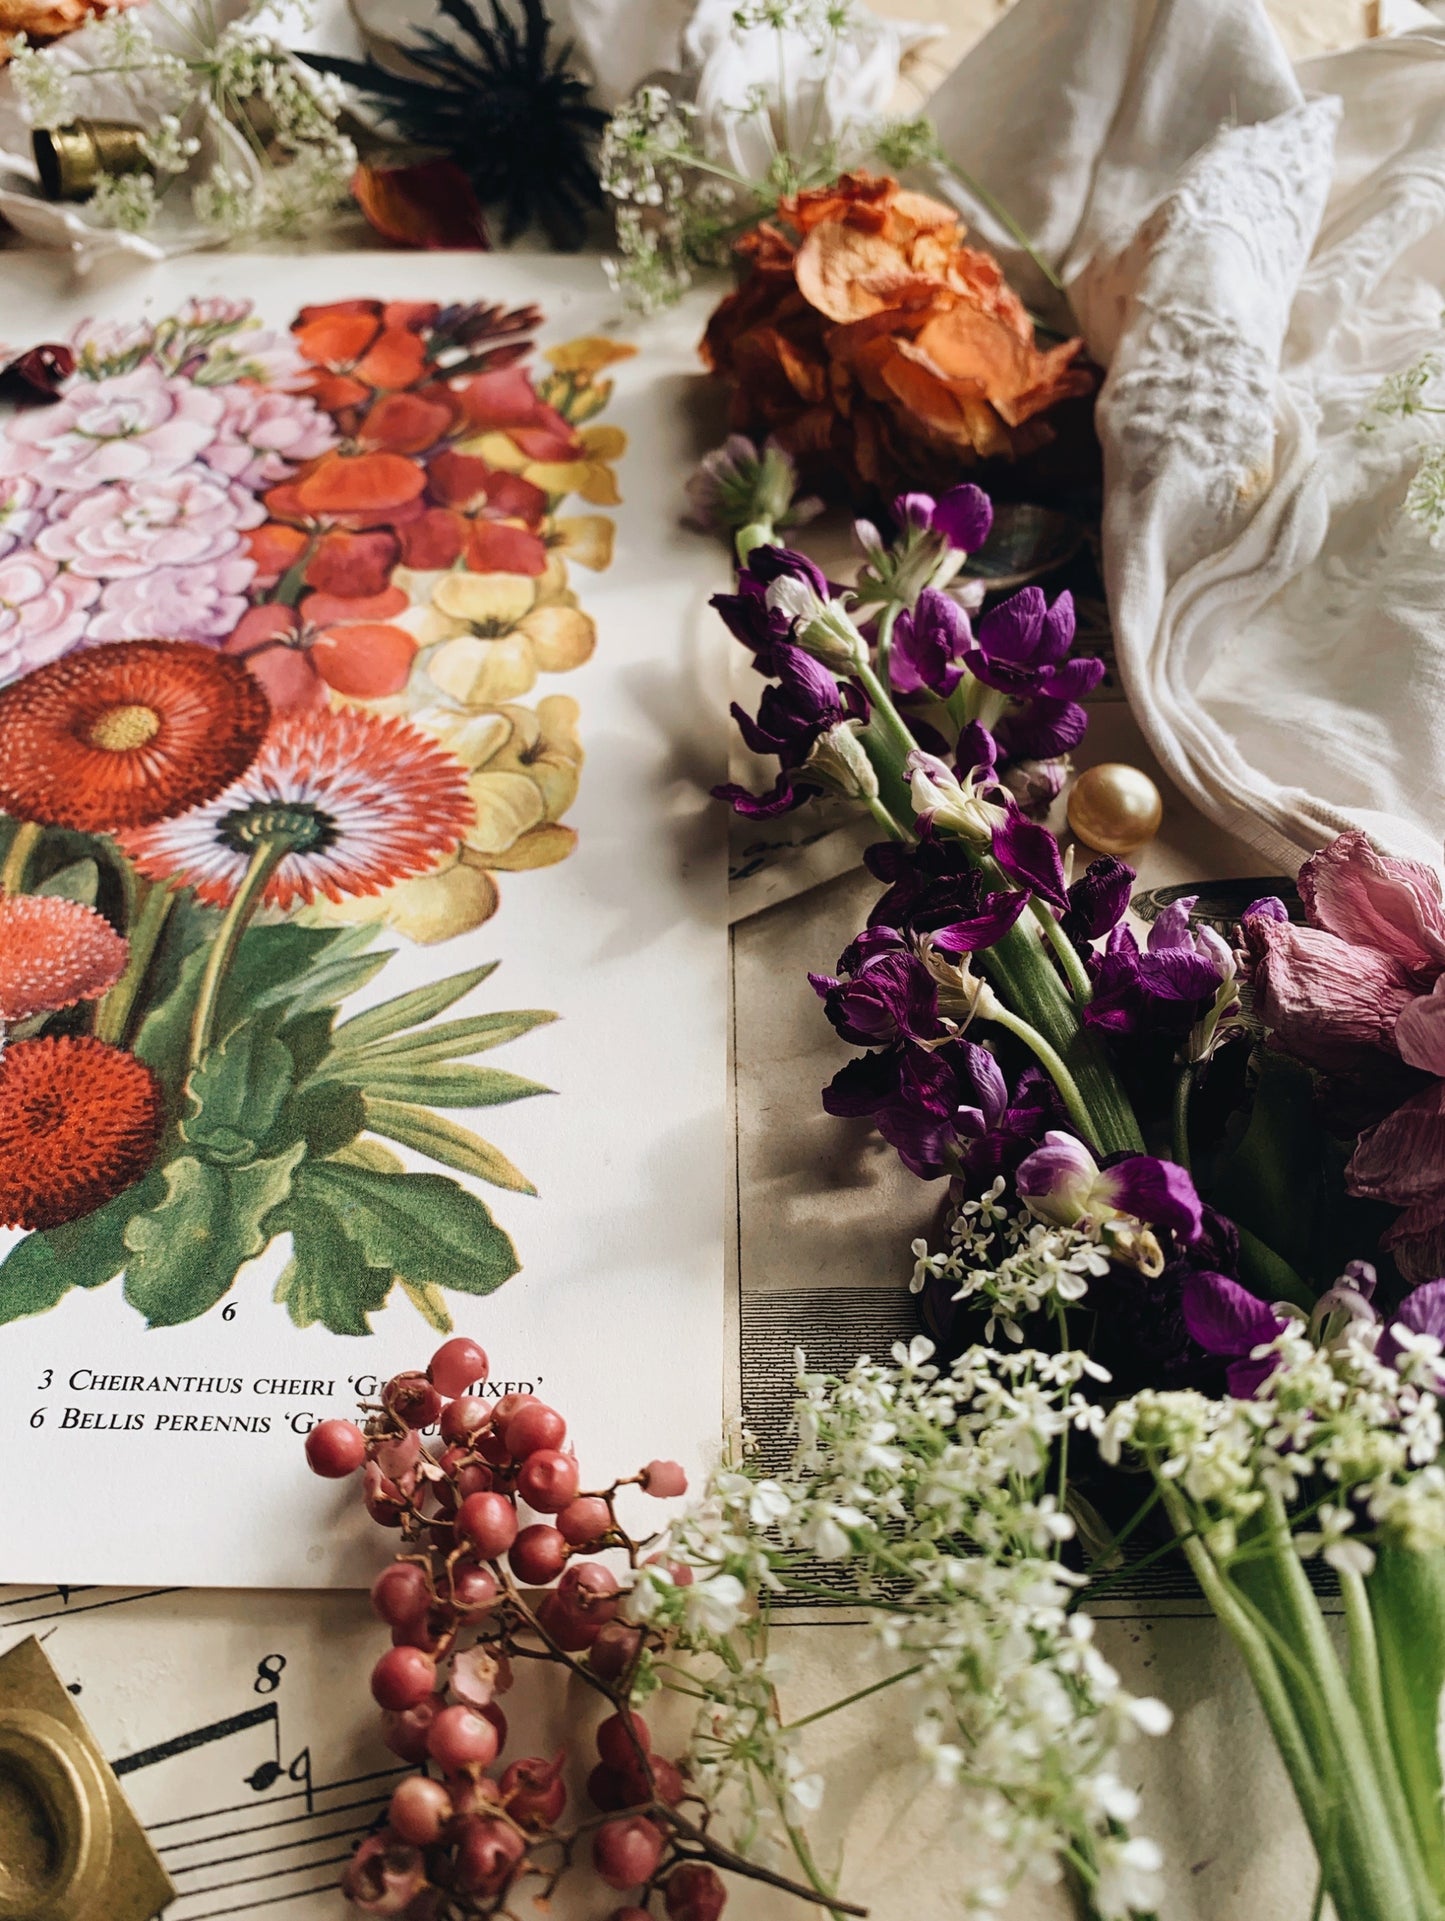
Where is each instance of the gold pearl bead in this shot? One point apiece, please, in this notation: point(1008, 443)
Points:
point(1114, 808)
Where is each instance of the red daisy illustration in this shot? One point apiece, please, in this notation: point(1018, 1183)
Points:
point(359, 801)
point(124, 734)
point(79, 1122)
point(54, 953)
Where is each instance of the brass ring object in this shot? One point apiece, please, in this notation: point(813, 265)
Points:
point(71, 159)
point(64, 1781)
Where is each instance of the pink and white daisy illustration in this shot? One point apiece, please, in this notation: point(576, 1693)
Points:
point(357, 801)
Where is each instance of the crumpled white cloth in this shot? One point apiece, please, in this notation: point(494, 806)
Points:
point(1250, 251)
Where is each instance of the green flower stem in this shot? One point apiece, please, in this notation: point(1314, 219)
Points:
point(1057, 1072)
point(886, 623)
point(145, 933)
point(1183, 1094)
point(1075, 973)
point(887, 721)
point(23, 843)
point(1368, 1693)
point(264, 861)
point(894, 829)
point(1373, 1801)
point(1006, 220)
point(1313, 1721)
point(861, 1694)
point(1406, 1594)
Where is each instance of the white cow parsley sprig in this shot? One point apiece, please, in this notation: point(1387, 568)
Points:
point(934, 1494)
point(1334, 1434)
point(1013, 1264)
point(262, 127)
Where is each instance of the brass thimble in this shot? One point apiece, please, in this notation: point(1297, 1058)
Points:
point(71, 159)
point(70, 1847)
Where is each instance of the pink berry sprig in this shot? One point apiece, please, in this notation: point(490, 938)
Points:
point(470, 1826)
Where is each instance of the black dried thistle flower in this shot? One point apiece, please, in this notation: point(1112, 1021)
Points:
point(500, 104)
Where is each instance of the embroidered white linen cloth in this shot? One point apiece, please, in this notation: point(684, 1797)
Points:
point(1250, 251)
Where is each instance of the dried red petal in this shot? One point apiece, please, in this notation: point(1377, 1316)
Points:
point(430, 204)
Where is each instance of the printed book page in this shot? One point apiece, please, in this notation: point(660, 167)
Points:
point(362, 954)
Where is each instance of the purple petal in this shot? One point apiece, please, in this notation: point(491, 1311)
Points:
point(975, 748)
point(1075, 678)
point(1058, 1179)
point(1422, 1312)
point(1176, 975)
point(1057, 636)
point(989, 1085)
point(1224, 1317)
point(1159, 1193)
point(780, 799)
point(984, 929)
point(963, 516)
point(914, 510)
point(1011, 630)
point(1244, 1379)
point(767, 564)
point(1267, 907)
point(1029, 853)
point(927, 643)
point(1172, 927)
point(1099, 897)
point(1043, 727)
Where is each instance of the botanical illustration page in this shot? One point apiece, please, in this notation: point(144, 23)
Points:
point(361, 906)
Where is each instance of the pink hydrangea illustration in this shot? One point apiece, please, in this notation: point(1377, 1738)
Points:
point(42, 611)
point(264, 434)
point(118, 532)
point(141, 425)
point(22, 512)
point(174, 603)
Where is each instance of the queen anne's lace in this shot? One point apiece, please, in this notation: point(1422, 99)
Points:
point(1013, 1264)
point(933, 1491)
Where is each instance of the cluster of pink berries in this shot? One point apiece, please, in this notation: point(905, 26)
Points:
point(460, 1836)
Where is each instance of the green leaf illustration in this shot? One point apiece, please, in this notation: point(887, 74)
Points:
point(440, 1085)
point(407, 1010)
point(443, 1140)
point(326, 1114)
point(236, 1095)
point(79, 881)
point(84, 1253)
point(185, 1252)
point(328, 1279)
point(325, 985)
point(421, 1225)
point(428, 1303)
point(453, 1038)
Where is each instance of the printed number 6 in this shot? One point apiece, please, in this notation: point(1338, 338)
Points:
point(228, 1312)
point(37, 1419)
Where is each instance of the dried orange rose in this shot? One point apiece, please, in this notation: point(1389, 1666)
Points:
point(45, 20)
point(871, 342)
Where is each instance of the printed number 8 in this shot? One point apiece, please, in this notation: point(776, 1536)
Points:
point(268, 1673)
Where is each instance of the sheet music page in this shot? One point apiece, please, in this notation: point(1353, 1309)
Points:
point(549, 1008)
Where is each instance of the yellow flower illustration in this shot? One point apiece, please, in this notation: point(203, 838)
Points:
point(588, 355)
point(525, 765)
point(586, 538)
point(490, 635)
point(589, 476)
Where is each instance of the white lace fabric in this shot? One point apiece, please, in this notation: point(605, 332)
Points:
point(1250, 252)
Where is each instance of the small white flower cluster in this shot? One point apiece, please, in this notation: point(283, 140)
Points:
point(1332, 1427)
point(1014, 1264)
point(1404, 395)
point(816, 21)
point(1425, 496)
point(645, 147)
point(933, 1491)
point(242, 84)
